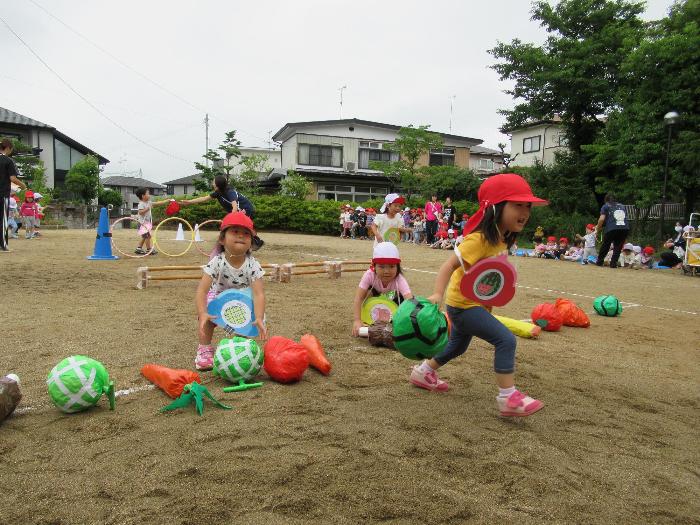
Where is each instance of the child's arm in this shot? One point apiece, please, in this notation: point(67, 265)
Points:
point(259, 307)
point(200, 301)
point(443, 277)
point(356, 307)
point(375, 233)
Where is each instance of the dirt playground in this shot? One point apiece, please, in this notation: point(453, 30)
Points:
point(617, 441)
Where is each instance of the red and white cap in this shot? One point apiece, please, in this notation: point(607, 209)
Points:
point(501, 188)
point(392, 198)
point(386, 253)
point(238, 218)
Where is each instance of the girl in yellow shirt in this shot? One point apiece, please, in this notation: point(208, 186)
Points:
point(504, 209)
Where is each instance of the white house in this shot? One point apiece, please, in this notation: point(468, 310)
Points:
point(336, 155)
point(58, 151)
point(536, 141)
point(485, 161)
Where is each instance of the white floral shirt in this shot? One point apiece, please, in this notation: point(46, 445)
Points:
point(224, 276)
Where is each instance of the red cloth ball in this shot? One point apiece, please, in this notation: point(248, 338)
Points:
point(547, 317)
point(285, 360)
point(172, 208)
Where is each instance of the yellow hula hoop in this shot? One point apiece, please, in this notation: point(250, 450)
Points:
point(114, 245)
point(200, 229)
point(161, 250)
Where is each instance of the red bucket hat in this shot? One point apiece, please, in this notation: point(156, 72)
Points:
point(564, 239)
point(551, 238)
point(238, 218)
point(29, 194)
point(590, 226)
point(501, 188)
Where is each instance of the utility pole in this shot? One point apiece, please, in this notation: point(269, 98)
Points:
point(452, 98)
point(341, 101)
point(206, 137)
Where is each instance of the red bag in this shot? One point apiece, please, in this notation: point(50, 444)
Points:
point(317, 357)
point(547, 317)
point(169, 380)
point(172, 208)
point(285, 360)
point(571, 314)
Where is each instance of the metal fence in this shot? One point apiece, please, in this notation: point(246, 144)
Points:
point(671, 211)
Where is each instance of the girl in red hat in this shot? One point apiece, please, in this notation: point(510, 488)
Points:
point(504, 209)
point(236, 268)
point(29, 212)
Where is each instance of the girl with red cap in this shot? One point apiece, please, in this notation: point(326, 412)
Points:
point(234, 267)
point(504, 209)
point(588, 243)
point(29, 212)
point(383, 278)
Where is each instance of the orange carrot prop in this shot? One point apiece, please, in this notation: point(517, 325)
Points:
point(170, 380)
point(317, 357)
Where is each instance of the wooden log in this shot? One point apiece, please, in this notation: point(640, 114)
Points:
point(176, 277)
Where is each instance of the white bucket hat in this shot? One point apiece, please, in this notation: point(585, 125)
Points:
point(391, 199)
point(386, 253)
point(628, 246)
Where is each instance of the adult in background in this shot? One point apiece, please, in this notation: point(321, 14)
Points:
point(449, 213)
point(8, 175)
point(230, 201)
point(614, 220)
point(433, 211)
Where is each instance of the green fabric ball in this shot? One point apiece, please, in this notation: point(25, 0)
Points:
point(419, 329)
point(238, 359)
point(77, 383)
point(607, 305)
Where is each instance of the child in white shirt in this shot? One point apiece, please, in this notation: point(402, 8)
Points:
point(588, 243)
point(390, 218)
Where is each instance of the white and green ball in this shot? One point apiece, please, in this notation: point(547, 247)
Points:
point(77, 383)
point(238, 359)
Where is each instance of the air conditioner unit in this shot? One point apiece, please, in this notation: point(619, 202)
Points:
point(351, 166)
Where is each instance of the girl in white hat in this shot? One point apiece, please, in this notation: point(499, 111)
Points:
point(383, 278)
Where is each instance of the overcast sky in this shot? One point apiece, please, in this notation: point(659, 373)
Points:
point(254, 66)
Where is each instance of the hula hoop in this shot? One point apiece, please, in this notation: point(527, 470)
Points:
point(196, 245)
point(114, 245)
point(161, 250)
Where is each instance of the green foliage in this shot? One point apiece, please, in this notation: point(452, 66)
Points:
point(411, 143)
point(30, 167)
point(218, 165)
point(448, 181)
point(106, 197)
point(83, 178)
point(248, 180)
point(295, 186)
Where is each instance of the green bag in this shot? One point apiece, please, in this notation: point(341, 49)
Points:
point(607, 305)
point(419, 329)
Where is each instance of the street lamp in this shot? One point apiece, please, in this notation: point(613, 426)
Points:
point(670, 119)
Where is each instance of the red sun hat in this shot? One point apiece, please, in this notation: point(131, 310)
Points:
point(551, 238)
point(238, 218)
point(648, 250)
point(564, 239)
point(590, 226)
point(501, 188)
point(29, 194)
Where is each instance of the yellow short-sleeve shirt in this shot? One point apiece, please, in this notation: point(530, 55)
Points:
point(473, 248)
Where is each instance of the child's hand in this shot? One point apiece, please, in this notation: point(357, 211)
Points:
point(262, 329)
point(379, 238)
point(435, 299)
point(356, 325)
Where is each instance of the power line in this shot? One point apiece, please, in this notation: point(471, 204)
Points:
point(116, 124)
point(138, 73)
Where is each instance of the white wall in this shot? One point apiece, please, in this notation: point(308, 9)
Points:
point(549, 144)
point(274, 158)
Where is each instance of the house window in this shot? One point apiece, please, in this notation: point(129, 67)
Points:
point(316, 155)
point(560, 140)
point(485, 164)
point(372, 152)
point(350, 193)
point(442, 157)
point(531, 144)
point(170, 189)
point(62, 154)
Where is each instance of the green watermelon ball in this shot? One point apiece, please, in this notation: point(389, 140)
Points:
point(423, 338)
point(607, 305)
point(238, 359)
point(77, 383)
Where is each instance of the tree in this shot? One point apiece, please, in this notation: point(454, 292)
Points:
point(30, 166)
point(448, 181)
point(576, 72)
point(295, 186)
point(659, 76)
point(411, 143)
point(507, 159)
point(107, 197)
point(83, 178)
point(247, 181)
point(218, 165)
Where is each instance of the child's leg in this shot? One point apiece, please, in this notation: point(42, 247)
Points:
point(204, 360)
point(205, 335)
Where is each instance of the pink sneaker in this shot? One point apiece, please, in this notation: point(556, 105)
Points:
point(427, 380)
point(205, 357)
point(518, 405)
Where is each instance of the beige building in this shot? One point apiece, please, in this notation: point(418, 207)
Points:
point(536, 142)
point(485, 161)
point(336, 156)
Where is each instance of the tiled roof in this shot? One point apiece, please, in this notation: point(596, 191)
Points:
point(10, 117)
point(119, 180)
point(183, 180)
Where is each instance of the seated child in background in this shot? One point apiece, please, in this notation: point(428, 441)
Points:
point(551, 248)
point(449, 243)
point(440, 236)
point(235, 268)
point(563, 247)
point(383, 278)
point(627, 255)
point(588, 243)
point(646, 260)
point(637, 257)
point(540, 249)
point(574, 253)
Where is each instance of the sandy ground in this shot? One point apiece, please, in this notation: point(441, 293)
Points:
point(616, 443)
